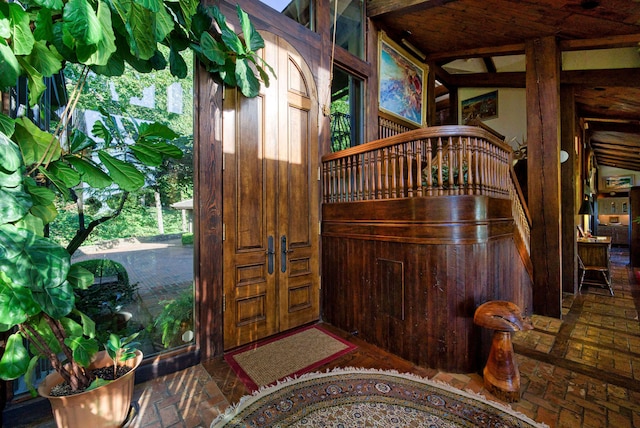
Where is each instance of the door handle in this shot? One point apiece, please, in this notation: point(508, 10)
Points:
point(283, 253)
point(270, 254)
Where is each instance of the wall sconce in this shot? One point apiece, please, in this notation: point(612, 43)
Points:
point(563, 156)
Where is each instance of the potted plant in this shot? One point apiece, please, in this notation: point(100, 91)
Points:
point(37, 280)
point(176, 320)
point(107, 402)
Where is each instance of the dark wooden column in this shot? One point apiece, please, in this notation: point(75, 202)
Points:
point(543, 176)
point(570, 190)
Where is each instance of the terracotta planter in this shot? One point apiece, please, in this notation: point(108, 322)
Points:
point(106, 406)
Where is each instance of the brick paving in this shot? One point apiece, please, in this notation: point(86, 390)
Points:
point(581, 371)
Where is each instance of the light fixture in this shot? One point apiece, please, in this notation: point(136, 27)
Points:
point(563, 156)
point(585, 208)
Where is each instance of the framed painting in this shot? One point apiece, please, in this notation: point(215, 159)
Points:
point(401, 90)
point(482, 107)
point(618, 182)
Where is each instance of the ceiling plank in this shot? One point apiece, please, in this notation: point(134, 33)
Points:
point(629, 77)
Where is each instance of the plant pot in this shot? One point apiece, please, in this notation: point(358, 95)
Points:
point(106, 406)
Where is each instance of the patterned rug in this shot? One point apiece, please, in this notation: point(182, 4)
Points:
point(367, 398)
point(287, 355)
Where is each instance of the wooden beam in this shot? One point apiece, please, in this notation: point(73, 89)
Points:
point(487, 80)
point(609, 42)
point(381, 7)
point(570, 193)
point(444, 57)
point(543, 175)
point(628, 77)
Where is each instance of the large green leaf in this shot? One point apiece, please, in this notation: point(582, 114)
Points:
point(46, 213)
point(12, 179)
point(212, 49)
point(21, 36)
point(88, 325)
point(247, 81)
point(143, 42)
point(16, 303)
point(5, 24)
point(177, 65)
point(147, 154)
point(31, 223)
point(10, 157)
point(56, 301)
point(9, 66)
point(69, 176)
point(82, 22)
point(80, 141)
point(49, 4)
point(164, 24)
point(106, 46)
point(35, 81)
point(83, 349)
point(15, 359)
point(46, 61)
point(44, 26)
point(155, 130)
point(35, 144)
point(123, 174)
point(89, 173)
point(56, 183)
point(40, 194)
point(32, 261)
point(13, 205)
point(79, 277)
point(252, 39)
point(152, 5)
point(188, 9)
point(100, 130)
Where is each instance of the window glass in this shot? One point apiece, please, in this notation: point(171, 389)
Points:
point(346, 110)
point(349, 26)
point(300, 11)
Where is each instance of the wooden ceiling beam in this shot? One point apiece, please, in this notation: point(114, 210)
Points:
point(595, 126)
point(381, 7)
point(625, 77)
point(444, 57)
point(610, 42)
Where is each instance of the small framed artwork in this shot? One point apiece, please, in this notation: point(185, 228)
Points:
point(618, 182)
point(402, 79)
point(482, 107)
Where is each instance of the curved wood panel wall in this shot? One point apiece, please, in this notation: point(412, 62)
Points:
point(407, 275)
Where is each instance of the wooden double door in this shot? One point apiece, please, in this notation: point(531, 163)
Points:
point(271, 202)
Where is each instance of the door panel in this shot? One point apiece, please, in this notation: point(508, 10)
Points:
point(271, 202)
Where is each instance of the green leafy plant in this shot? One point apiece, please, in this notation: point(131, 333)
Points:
point(121, 349)
point(38, 167)
point(176, 317)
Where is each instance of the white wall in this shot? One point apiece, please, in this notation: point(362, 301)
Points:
point(512, 112)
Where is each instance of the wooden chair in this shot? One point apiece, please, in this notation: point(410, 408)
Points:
point(604, 270)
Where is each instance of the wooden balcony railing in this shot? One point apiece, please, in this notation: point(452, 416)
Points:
point(433, 161)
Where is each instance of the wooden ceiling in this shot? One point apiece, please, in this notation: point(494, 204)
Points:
point(607, 100)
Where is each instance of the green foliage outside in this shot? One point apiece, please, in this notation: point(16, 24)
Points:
point(175, 319)
point(187, 239)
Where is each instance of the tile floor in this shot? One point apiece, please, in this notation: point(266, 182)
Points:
point(581, 371)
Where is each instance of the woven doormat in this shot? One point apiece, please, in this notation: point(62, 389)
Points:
point(289, 355)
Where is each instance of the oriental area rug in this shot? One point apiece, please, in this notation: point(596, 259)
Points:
point(367, 398)
point(285, 356)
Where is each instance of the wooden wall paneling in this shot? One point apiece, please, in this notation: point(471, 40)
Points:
point(444, 280)
point(569, 190)
point(634, 241)
point(543, 176)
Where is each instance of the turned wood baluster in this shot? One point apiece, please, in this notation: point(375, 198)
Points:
point(451, 166)
point(429, 168)
point(366, 167)
point(394, 176)
point(439, 166)
point(461, 184)
point(401, 163)
point(378, 155)
point(419, 154)
point(410, 161)
point(385, 172)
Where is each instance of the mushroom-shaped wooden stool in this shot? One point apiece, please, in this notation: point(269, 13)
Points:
point(501, 374)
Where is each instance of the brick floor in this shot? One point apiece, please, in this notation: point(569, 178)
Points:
point(581, 371)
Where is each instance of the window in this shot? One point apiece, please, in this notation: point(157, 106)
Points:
point(349, 26)
point(300, 11)
point(347, 124)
